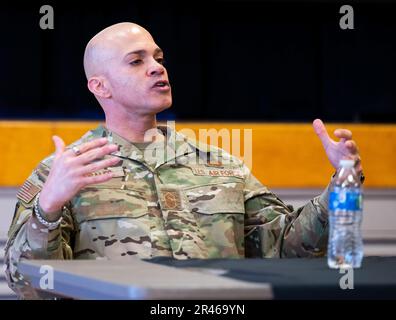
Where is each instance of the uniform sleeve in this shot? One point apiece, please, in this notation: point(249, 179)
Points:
point(274, 229)
point(28, 239)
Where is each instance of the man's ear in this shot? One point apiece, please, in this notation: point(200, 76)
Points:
point(99, 87)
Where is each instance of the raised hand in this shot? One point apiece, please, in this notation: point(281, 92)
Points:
point(345, 148)
point(71, 171)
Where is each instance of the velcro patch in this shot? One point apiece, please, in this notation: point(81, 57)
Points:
point(117, 172)
point(202, 171)
point(28, 191)
point(171, 199)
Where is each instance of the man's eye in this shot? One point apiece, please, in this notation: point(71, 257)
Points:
point(160, 60)
point(136, 62)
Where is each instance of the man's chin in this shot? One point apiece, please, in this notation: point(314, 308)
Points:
point(165, 106)
point(158, 106)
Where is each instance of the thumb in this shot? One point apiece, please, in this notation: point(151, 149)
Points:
point(59, 145)
point(321, 131)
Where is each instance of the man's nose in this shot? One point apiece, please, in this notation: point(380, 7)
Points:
point(155, 69)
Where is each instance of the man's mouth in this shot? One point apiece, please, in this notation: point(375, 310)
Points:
point(162, 85)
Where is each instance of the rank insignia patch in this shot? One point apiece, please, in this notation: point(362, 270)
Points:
point(171, 200)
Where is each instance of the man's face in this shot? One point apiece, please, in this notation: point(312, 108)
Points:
point(136, 75)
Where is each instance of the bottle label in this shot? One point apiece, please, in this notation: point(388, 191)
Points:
point(342, 199)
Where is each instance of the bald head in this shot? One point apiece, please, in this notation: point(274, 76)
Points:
point(105, 46)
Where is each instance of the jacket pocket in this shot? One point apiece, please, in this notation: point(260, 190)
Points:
point(112, 223)
point(218, 210)
point(215, 198)
point(109, 201)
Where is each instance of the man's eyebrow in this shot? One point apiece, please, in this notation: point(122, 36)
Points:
point(143, 52)
point(158, 50)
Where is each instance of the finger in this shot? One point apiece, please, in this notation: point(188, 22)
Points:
point(96, 153)
point(84, 147)
point(352, 147)
point(97, 179)
point(98, 165)
point(321, 131)
point(59, 145)
point(343, 134)
point(358, 165)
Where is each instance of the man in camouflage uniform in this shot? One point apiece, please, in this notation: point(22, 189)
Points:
point(115, 195)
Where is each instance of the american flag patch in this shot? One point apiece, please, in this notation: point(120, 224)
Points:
point(28, 191)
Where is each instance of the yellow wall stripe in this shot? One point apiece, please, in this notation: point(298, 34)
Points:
point(284, 155)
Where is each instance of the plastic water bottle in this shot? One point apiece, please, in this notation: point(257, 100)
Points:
point(345, 246)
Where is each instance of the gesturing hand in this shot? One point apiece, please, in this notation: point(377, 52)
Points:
point(70, 172)
point(346, 148)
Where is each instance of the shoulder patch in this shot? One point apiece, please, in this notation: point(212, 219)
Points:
point(28, 191)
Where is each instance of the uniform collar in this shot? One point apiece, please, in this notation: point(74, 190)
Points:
point(177, 145)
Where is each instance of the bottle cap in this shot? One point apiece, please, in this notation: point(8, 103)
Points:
point(347, 163)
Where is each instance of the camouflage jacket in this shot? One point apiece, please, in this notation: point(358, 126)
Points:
point(195, 202)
